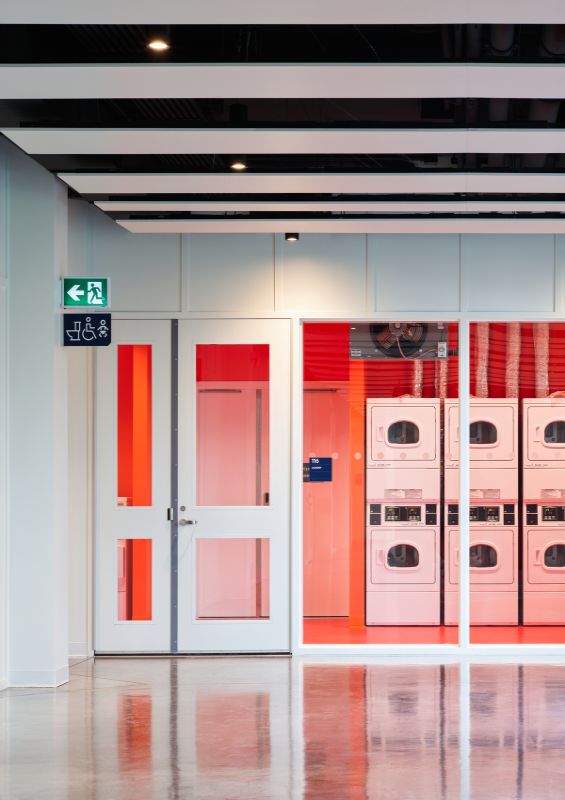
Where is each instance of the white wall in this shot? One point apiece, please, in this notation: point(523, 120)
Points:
point(3, 421)
point(355, 275)
point(36, 232)
point(320, 274)
point(80, 444)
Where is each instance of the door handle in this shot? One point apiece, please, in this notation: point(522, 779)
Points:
point(537, 554)
point(380, 558)
point(188, 522)
point(456, 557)
point(537, 436)
point(380, 434)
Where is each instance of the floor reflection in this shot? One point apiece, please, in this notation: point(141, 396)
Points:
point(278, 728)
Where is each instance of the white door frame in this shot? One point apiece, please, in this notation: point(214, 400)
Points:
point(268, 521)
point(465, 649)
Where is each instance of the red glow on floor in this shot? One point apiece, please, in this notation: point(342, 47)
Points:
point(337, 631)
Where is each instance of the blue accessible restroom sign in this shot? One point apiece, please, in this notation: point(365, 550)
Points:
point(87, 330)
point(320, 470)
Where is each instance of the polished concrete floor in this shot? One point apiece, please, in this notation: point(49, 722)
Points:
point(229, 728)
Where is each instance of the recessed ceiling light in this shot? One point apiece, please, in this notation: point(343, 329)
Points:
point(238, 164)
point(292, 237)
point(158, 45)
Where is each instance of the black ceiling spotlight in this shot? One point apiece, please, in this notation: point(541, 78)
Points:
point(292, 237)
point(238, 164)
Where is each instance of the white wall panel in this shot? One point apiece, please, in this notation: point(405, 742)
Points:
point(560, 274)
point(231, 272)
point(508, 273)
point(146, 275)
point(419, 272)
point(145, 270)
point(3, 482)
point(80, 498)
point(321, 273)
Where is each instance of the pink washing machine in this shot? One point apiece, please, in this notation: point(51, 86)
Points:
point(493, 512)
point(403, 488)
point(544, 511)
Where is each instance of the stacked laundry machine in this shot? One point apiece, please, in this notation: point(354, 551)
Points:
point(403, 534)
point(544, 511)
point(493, 514)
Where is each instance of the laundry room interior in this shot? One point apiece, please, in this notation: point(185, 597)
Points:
point(381, 450)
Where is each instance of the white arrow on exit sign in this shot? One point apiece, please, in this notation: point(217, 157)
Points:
point(75, 292)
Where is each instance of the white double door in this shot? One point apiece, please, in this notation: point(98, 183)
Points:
point(192, 487)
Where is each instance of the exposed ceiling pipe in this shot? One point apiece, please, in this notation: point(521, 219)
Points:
point(552, 45)
point(501, 43)
point(481, 362)
point(513, 347)
point(417, 377)
point(541, 358)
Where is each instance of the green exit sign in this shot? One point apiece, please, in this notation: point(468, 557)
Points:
point(86, 293)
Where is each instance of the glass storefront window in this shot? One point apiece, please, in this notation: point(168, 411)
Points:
point(517, 382)
point(375, 504)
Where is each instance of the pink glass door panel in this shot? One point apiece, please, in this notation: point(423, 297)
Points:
point(232, 425)
point(134, 579)
point(232, 578)
point(134, 425)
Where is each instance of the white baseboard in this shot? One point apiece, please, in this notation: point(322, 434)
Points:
point(38, 677)
point(3, 685)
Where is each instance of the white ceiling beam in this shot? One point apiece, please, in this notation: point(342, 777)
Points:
point(345, 207)
point(346, 226)
point(72, 81)
point(315, 183)
point(120, 141)
point(291, 12)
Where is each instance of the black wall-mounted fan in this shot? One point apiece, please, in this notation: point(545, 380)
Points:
point(412, 340)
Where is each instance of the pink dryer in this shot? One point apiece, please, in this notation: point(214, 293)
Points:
point(403, 489)
point(403, 433)
point(493, 433)
point(493, 513)
point(544, 511)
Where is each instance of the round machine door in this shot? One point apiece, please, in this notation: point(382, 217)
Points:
point(492, 433)
point(394, 557)
point(403, 434)
point(546, 556)
point(545, 433)
point(492, 556)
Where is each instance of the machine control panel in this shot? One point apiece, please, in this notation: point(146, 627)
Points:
point(538, 514)
point(484, 514)
point(374, 514)
point(424, 514)
point(489, 515)
point(553, 513)
point(403, 513)
point(531, 514)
